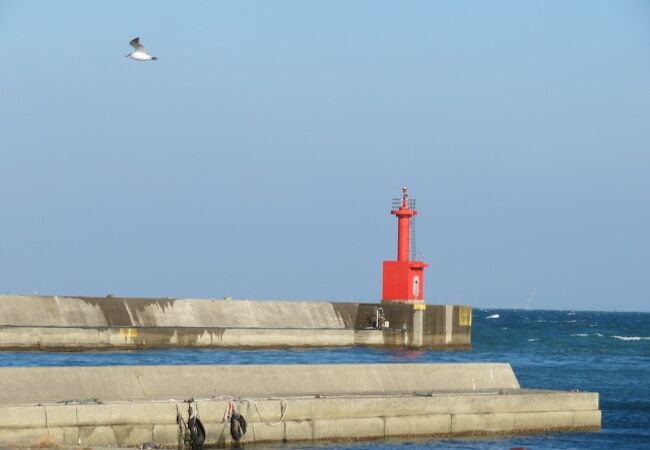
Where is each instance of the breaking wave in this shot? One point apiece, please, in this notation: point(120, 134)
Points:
point(632, 338)
point(493, 316)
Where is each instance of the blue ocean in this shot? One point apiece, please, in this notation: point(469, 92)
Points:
point(605, 352)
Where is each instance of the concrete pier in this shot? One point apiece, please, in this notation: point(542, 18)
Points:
point(129, 405)
point(80, 323)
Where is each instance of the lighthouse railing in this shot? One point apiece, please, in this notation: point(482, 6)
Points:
point(397, 204)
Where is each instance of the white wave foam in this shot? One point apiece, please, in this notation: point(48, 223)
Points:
point(493, 316)
point(571, 314)
point(533, 339)
point(580, 334)
point(632, 338)
point(570, 321)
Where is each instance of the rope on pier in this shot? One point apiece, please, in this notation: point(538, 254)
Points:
point(191, 434)
point(83, 401)
point(283, 410)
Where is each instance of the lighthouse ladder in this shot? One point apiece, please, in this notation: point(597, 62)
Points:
point(414, 253)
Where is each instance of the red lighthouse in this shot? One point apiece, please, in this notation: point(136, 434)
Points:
point(403, 280)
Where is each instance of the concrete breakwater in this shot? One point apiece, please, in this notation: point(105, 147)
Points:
point(54, 322)
point(129, 405)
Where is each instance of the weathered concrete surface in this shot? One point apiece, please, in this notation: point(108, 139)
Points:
point(26, 384)
point(52, 406)
point(74, 338)
point(43, 322)
point(139, 312)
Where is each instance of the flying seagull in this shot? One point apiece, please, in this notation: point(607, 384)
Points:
point(140, 53)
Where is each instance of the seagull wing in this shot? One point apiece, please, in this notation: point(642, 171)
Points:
point(135, 43)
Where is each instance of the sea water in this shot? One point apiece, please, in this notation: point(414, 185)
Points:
point(604, 352)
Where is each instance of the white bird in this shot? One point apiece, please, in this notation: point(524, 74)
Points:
point(140, 53)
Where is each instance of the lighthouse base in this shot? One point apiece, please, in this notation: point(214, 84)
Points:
point(403, 281)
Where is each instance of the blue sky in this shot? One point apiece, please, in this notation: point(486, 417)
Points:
point(259, 156)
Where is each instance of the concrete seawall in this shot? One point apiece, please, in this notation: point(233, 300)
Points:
point(53, 322)
point(129, 405)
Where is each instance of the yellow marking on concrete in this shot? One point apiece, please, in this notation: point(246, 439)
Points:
point(129, 332)
point(419, 307)
point(465, 316)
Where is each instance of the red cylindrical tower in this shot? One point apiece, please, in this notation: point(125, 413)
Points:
point(403, 280)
